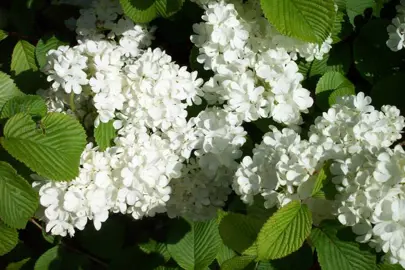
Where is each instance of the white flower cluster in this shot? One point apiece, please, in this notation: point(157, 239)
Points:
point(69, 205)
point(371, 199)
point(255, 73)
point(112, 75)
point(205, 182)
point(284, 167)
point(396, 30)
point(353, 125)
point(95, 68)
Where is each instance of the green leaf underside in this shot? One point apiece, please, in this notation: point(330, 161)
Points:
point(332, 85)
point(104, 135)
point(198, 247)
point(32, 105)
point(8, 89)
point(8, 238)
point(23, 57)
point(284, 232)
point(335, 254)
point(18, 201)
point(310, 21)
point(245, 227)
point(52, 148)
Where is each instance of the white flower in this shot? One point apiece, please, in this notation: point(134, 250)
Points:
point(254, 75)
point(396, 30)
point(69, 205)
point(355, 125)
point(66, 69)
point(198, 195)
point(283, 168)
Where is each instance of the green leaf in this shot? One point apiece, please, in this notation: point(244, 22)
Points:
point(332, 85)
point(167, 8)
point(257, 210)
point(146, 10)
point(371, 42)
point(252, 250)
point(155, 247)
point(23, 57)
point(51, 239)
point(246, 228)
point(335, 254)
point(266, 266)
point(30, 104)
point(342, 28)
point(310, 21)
point(198, 247)
point(390, 91)
point(321, 178)
point(18, 201)
point(341, 4)
point(167, 268)
point(3, 35)
point(300, 259)
point(104, 135)
point(357, 7)
point(338, 59)
point(387, 266)
point(52, 148)
point(8, 238)
point(161, 267)
point(285, 231)
point(139, 11)
point(379, 5)
point(8, 89)
point(60, 258)
point(18, 265)
point(224, 254)
point(239, 263)
point(44, 46)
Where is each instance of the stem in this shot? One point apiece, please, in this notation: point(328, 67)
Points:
point(33, 221)
point(103, 264)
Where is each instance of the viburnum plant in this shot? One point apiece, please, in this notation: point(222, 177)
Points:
point(202, 134)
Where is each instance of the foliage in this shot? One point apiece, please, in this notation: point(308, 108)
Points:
point(43, 137)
